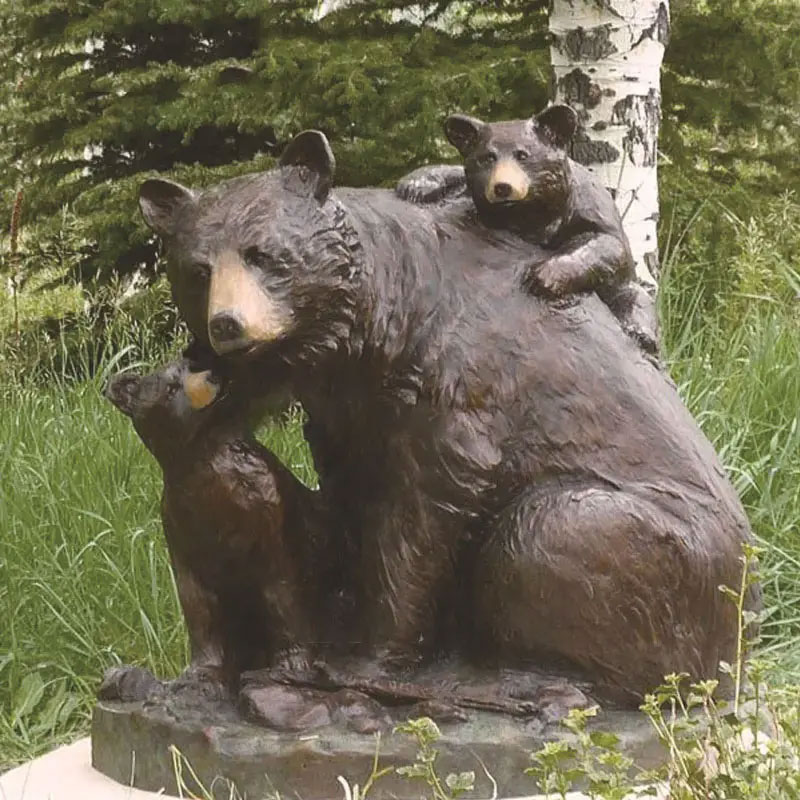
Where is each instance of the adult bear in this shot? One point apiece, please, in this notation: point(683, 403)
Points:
point(481, 450)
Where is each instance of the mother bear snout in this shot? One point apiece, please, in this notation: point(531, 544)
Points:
point(241, 312)
point(225, 328)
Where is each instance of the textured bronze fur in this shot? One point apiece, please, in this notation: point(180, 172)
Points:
point(520, 178)
point(506, 479)
point(239, 526)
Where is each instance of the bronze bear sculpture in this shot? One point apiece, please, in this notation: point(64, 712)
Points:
point(520, 177)
point(505, 475)
point(239, 526)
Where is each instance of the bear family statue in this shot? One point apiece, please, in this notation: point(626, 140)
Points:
point(515, 514)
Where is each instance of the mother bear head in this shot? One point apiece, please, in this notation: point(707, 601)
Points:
point(262, 260)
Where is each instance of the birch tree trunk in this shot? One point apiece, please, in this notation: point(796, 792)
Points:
point(606, 57)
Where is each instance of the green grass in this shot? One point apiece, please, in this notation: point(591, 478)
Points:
point(84, 578)
point(742, 383)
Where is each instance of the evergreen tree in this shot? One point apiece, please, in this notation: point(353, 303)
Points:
point(96, 96)
point(109, 93)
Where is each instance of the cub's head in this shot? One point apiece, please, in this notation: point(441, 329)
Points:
point(512, 166)
point(169, 407)
point(258, 262)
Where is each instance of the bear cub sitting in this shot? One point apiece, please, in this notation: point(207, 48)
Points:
point(521, 179)
point(237, 523)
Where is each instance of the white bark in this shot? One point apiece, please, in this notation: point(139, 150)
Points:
point(606, 57)
point(325, 7)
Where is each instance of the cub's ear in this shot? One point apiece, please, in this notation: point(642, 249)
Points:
point(463, 132)
point(310, 149)
point(558, 123)
point(158, 202)
point(123, 392)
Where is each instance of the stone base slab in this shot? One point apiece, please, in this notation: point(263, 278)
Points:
point(134, 744)
point(67, 774)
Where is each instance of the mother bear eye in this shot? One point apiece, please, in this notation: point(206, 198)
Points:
point(200, 270)
point(274, 264)
point(254, 257)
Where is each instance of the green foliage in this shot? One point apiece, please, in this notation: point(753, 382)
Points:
point(731, 88)
point(729, 139)
point(74, 337)
point(593, 759)
point(98, 96)
point(425, 733)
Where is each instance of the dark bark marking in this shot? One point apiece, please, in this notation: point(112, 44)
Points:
point(608, 6)
point(587, 151)
point(587, 44)
point(578, 89)
point(640, 115)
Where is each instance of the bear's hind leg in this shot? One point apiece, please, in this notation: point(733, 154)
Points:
point(607, 582)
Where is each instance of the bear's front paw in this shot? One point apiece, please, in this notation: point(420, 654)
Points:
point(431, 184)
point(548, 281)
point(293, 660)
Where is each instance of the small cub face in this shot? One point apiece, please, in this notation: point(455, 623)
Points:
point(168, 407)
point(523, 162)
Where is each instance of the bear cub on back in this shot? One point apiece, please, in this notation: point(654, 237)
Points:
point(237, 523)
point(521, 179)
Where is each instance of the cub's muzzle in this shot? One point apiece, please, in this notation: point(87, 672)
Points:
point(507, 183)
point(201, 388)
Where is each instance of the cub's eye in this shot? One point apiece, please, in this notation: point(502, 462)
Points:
point(484, 159)
point(521, 155)
point(200, 270)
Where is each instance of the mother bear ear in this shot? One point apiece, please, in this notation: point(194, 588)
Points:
point(159, 200)
point(311, 150)
point(463, 132)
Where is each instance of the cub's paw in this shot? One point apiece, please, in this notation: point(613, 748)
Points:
point(547, 280)
point(431, 184)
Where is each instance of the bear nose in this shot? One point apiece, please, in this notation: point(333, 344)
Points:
point(503, 190)
point(225, 328)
